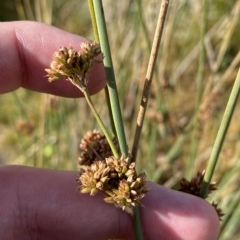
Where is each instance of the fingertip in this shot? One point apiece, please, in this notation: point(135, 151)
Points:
point(52, 195)
point(174, 215)
point(32, 47)
point(207, 220)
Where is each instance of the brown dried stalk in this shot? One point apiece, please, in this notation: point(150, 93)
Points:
point(149, 75)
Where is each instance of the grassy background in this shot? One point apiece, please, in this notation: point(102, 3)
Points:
point(45, 131)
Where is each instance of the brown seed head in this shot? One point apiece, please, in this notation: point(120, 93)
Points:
point(92, 178)
point(117, 180)
point(218, 210)
point(74, 65)
point(94, 146)
point(193, 187)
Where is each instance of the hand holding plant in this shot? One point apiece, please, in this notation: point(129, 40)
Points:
point(44, 203)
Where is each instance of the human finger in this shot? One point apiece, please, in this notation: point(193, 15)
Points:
point(45, 204)
point(26, 51)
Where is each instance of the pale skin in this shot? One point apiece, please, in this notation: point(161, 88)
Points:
point(44, 204)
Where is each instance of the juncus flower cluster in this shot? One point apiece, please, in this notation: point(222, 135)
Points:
point(100, 171)
point(119, 182)
point(74, 65)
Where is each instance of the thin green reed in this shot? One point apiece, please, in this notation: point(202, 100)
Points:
point(111, 82)
point(221, 136)
point(96, 36)
point(114, 100)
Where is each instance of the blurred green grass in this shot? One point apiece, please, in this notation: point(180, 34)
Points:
point(45, 131)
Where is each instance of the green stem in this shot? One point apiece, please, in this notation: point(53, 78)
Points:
point(99, 120)
point(137, 224)
point(93, 19)
point(111, 82)
point(220, 136)
point(110, 112)
point(96, 36)
point(101, 124)
point(113, 94)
